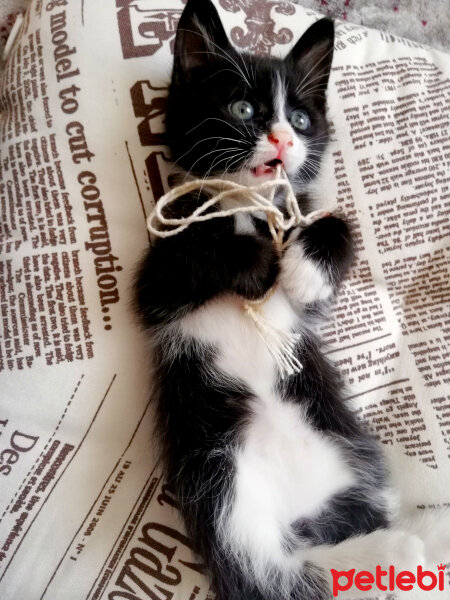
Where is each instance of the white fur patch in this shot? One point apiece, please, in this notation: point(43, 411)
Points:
point(302, 279)
point(296, 154)
point(242, 353)
point(243, 223)
point(285, 471)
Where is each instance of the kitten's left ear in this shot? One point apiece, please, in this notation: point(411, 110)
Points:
point(312, 56)
point(200, 37)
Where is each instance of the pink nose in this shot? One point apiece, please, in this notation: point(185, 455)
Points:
point(280, 139)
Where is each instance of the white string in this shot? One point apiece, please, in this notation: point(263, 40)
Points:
point(253, 201)
point(281, 344)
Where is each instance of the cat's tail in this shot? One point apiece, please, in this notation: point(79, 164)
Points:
point(414, 545)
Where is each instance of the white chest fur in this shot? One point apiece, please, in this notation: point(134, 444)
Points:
point(242, 353)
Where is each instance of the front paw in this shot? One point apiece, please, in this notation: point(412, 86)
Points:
point(259, 266)
point(328, 242)
point(303, 279)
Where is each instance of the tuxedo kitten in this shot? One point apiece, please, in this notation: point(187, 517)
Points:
point(276, 479)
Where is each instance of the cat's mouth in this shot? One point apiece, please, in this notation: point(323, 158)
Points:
point(268, 168)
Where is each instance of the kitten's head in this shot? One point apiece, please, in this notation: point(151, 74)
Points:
point(235, 115)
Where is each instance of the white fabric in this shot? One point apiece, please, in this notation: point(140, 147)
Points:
point(84, 512)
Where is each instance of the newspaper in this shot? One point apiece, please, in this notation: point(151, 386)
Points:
point(85, 512)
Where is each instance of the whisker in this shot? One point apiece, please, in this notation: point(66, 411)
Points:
point(214, 137)
point(222, 52)
point(315, 67)
point(219, 158)
point(208, 154)
point(304, 84)
point(214, 119)
point(228, 166)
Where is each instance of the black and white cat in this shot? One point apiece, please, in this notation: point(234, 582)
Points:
point(277, 480)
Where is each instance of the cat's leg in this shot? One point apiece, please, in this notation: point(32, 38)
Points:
point(315, 263)
point(339, 564)
point(433, 527)
point(422, 539)
point(181, 273)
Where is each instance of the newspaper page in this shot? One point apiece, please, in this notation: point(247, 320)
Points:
point(85, 513)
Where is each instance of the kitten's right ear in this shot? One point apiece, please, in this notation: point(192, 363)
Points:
point(312, 56)
point(200, 37)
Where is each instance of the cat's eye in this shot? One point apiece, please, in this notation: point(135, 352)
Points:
point(241, 109)
point(300, 120)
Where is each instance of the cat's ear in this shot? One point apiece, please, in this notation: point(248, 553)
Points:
point(200, 37)
point(311, 57)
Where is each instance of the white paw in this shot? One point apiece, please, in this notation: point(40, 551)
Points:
point(433, 527)
point(302, 279)
point(403, 550)
point(435, 531)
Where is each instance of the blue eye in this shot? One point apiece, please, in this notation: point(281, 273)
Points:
point(241, 109)
point(300, 120)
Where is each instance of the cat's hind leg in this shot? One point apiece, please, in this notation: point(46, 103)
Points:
point(338, 564)
point(420, 540)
